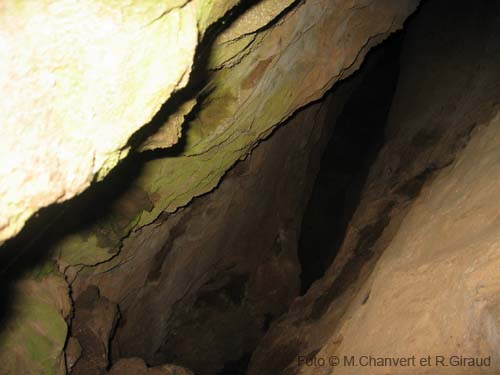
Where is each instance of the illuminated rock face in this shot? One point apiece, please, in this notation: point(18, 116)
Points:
point(80, 79)
point(83, 79)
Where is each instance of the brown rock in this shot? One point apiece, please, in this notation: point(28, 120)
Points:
point(214, 275)
point(73, 352)
point(93, 323)
point(414, 275)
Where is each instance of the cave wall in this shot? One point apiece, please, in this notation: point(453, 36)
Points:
point(82, 78)
point(171, 265)
point(215, 274)
point(354, 143)
point(72, 111)
point(417, 273)
point(89, 76)
point(240, 104)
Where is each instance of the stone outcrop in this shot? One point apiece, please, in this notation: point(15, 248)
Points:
point(86, 80)
point(216, 273)
point(82, 90)
point(81, 79)
point(417, 273)
point(92, 325)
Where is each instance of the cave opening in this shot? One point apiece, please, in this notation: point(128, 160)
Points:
point(358, 134)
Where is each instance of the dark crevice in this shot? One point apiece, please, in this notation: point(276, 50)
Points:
point(350, 272)
point(357, 137)
point(237, 367)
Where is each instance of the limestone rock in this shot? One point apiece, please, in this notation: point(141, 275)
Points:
point(33, 342)
point(92, 325)
point(170, 132)
point(215, 274)
point(81, 79)
point(73, 352)
point(247, 100)
point(414, 274)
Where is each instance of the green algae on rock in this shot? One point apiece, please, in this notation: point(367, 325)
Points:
point(33, 342)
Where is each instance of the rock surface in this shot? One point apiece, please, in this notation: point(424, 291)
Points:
point(72, 112)
point(74, 98)
point(82, 78)
point(216, 273)
point(92, 325)
point(32, 342)
point(417, 274)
